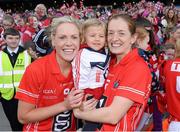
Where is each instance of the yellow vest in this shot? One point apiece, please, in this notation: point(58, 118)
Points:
point(9, 76)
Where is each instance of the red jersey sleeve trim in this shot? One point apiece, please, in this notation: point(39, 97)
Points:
point(131, 89)
point(27, 96)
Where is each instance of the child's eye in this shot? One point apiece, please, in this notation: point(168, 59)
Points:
point(110, 33)
point(62, 37)
point(74, 37)
point(92, 35)
point(102, 36)
point(121, 34)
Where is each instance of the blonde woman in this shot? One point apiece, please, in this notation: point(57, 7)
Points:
point(45, 100)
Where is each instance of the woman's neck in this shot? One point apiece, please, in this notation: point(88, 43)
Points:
point(119, 58)
point(64, 66)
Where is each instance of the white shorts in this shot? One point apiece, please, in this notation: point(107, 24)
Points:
point(174, 126)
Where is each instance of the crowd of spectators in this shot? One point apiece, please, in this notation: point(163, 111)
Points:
point(157, 26)
point(161, 16)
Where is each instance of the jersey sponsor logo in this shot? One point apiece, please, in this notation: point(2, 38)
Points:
point(49, 91)
point(175, 67)
point(62, 121)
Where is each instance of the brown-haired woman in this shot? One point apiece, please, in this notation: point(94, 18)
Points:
point(171, 20)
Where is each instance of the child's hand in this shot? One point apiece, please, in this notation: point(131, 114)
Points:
point(88, 104)
point(74, 99)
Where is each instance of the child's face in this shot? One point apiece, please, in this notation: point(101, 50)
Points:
point(170, 54)
point(12, 41)
point(7, 24)
point(95, 37)
point(33, 22)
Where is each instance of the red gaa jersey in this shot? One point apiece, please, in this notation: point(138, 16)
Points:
point(171, 74)
point(44, 85)
point(130, 78)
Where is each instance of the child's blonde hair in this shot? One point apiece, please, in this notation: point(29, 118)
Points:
point(91, 22)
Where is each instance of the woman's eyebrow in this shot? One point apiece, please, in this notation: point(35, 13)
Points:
point(116, 31)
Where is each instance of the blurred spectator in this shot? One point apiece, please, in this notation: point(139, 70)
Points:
point(171, 20)
point(42, 42)
point(169, 51)
point(170, 73)
point(174, 35)
point(41, 13)
point(20, 22)
point(7, 22)
point(31, 29)
point(178, 18)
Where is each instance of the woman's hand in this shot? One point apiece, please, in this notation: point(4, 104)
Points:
point(77, 112)
point(74, 99)
point(88, 104)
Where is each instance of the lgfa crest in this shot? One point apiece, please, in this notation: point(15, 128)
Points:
point(116, 84)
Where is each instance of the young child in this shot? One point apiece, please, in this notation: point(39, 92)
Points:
point(91, 63)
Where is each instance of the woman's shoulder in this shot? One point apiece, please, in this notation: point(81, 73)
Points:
point(40, 63)
point(139, 61)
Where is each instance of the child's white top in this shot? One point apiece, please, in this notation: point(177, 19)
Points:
point(90, 68)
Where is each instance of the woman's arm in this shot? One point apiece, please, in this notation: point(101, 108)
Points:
point(27, 113)
point(111, 114)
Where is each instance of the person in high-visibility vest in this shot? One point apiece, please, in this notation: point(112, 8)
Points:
point(13, 62)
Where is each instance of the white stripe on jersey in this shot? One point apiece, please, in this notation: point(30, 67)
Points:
point(134, 117)
point(125, 123)
point(141, 110)
point(131, 90)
